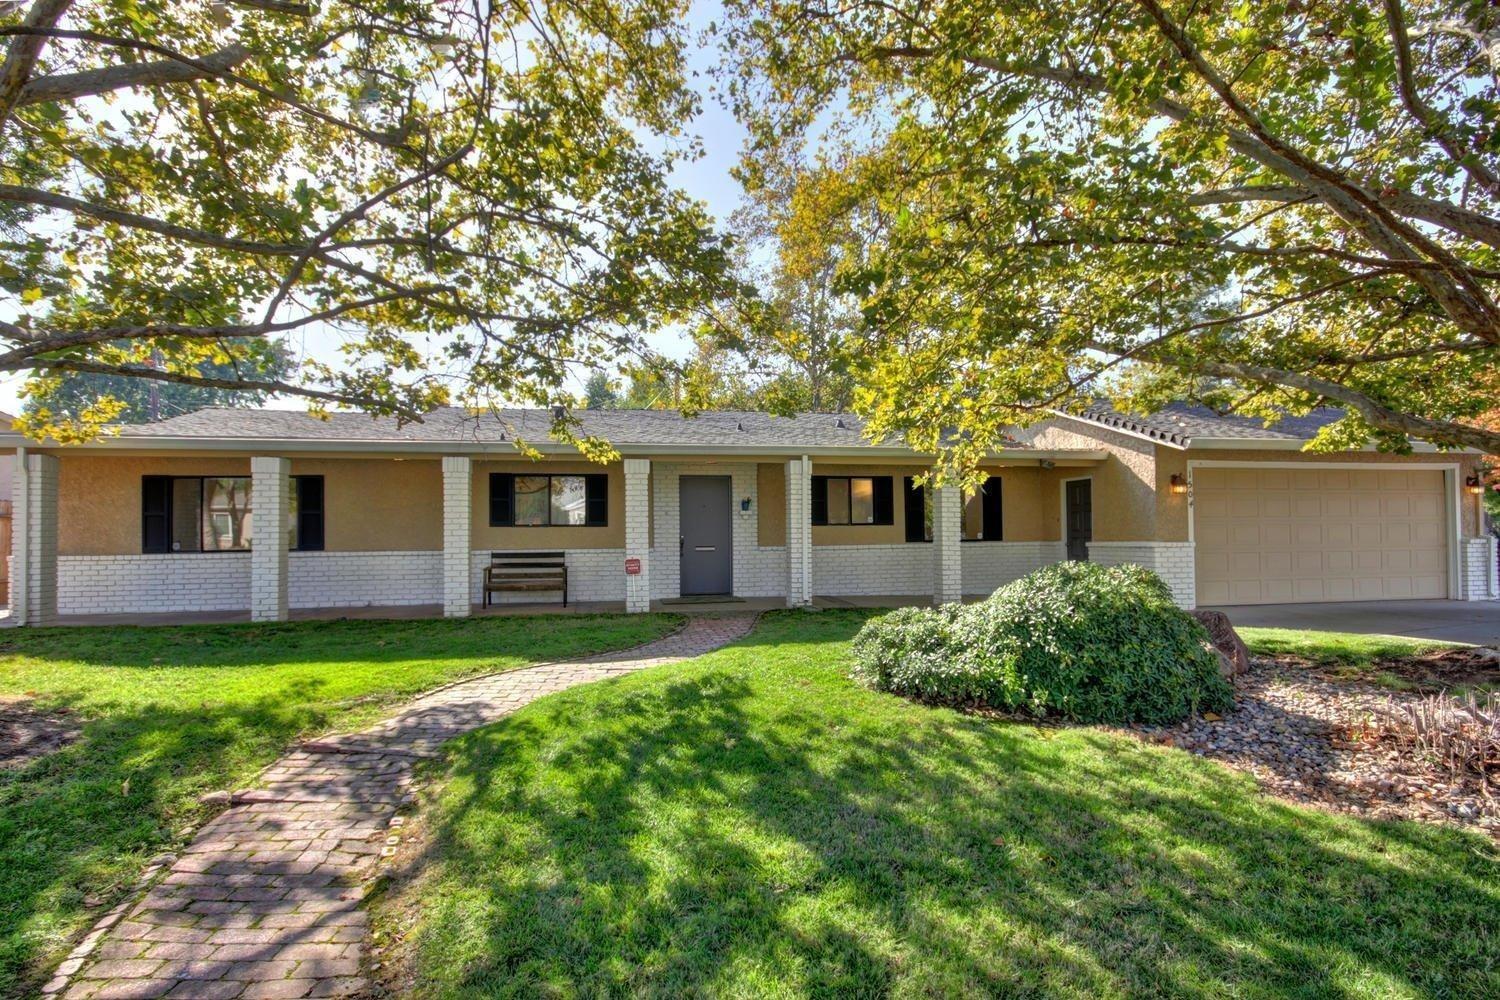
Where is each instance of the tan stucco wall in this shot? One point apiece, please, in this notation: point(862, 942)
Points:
point(1124, 483)
point(610, 536)
point(370, 504)
point(1172, 511)
point(99, 498)
point(378, 505)
point(770, 492)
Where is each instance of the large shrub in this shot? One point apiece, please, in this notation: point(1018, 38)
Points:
point(1076, 640)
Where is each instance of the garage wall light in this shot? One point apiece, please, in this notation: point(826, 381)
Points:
point(1474, 485)
point(1179, 483)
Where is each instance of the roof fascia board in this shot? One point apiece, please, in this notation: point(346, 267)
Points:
point(1299, 444)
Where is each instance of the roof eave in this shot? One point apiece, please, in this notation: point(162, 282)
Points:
point(507, 448)
point(1165, 440)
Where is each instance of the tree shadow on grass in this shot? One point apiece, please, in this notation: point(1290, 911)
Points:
point(76, 826)
point(718, 830)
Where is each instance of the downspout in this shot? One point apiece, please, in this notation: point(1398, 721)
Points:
point(20, 539)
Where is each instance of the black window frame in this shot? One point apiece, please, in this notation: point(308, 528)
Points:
point(914, 511)
point(992, 511)
point(595, 499)
point(158, 508)
point(882, 502)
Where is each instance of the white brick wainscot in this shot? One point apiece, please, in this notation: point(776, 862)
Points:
point(1172, 561)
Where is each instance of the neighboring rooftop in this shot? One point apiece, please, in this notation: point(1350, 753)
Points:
point(1180, 424)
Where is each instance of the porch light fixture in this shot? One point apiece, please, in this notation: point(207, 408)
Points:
point(1474, 485)
point(1179, 483)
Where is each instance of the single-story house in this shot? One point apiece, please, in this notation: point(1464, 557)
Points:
point(174, 516)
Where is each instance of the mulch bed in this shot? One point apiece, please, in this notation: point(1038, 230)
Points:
point(1447, 668)
point(1319, 739)
point(27, 733)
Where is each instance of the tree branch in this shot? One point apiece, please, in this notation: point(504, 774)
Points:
point(250, 385)
point(277, 7)
point(1452, 285)
point(24, 50)
point(1375, 413)
point(1463, 298)
point(1461, 221)
point(1432, 122)
point(71, 86)
point(105, 213)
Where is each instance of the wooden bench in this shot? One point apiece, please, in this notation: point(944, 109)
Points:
point(510, 571)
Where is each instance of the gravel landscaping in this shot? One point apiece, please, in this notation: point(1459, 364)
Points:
point(1320, 740)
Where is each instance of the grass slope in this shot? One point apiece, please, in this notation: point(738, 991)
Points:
point(753, 824)
point(173, 712)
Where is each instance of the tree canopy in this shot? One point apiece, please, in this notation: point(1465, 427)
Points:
point(468, 199)
point(1265, 206)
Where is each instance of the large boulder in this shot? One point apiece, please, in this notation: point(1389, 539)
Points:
point(1235, 656)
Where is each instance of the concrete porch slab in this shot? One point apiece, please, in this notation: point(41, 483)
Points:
point(1473, 622)
point(749, 605)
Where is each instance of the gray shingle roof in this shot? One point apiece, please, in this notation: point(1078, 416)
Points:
point(1180, 423)
point(452, 425)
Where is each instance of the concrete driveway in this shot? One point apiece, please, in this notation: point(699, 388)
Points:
point(1475, 622)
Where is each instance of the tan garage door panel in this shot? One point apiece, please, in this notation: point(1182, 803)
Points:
point(1272, 536)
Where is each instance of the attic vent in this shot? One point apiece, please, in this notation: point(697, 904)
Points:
point(558, 412)
point(839, 423)
point(739, 425)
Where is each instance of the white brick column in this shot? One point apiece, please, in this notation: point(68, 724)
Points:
point(1477, 576)
point(638, 533)
point(458, 521)
point(799, 533)
point(947, 545)
point(33, 582)
point(270, 504)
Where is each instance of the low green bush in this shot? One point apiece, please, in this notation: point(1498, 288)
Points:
point(1076, 640)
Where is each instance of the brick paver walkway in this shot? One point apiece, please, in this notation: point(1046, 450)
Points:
point(265, 902)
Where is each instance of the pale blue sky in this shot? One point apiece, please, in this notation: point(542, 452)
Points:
point(707, 179)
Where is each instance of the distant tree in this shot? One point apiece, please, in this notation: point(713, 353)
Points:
point(796, 349)
point(653, 387)
point(137, 400)
point(599, 394)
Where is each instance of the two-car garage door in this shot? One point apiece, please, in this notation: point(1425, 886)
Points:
point(1272, 536)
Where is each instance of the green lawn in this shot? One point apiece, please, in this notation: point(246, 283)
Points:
point(753, 824)
point(170, 713)
point(1346, 649)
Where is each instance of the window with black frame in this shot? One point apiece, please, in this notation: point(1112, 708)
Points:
point(850, 500)
point(215, 514)
point(541, 501)
point(983, 515)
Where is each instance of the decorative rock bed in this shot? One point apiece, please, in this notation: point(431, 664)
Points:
point(1319, 741)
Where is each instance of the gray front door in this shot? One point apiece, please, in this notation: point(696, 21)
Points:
point(707, 535)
